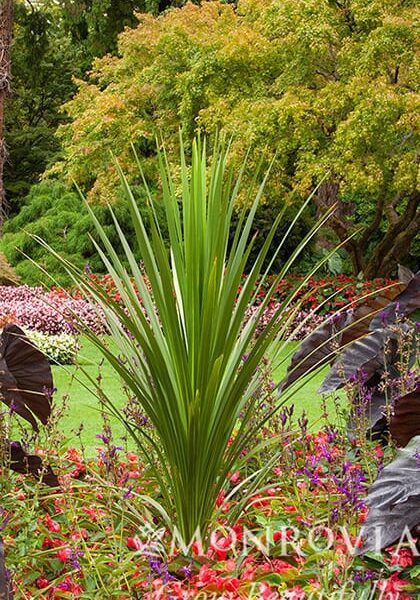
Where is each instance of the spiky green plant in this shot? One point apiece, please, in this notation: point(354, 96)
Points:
point(183, 343)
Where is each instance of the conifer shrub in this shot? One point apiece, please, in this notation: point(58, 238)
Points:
point(58, 215)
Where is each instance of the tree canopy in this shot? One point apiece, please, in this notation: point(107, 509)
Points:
point(53, 41)
point(327, 89)
point(43, 63)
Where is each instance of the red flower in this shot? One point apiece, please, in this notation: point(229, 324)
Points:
point(81, 534)
point(64, 554)
point(52, 525)
point(132, 457)
point(280, 566)
point(403, 558)
point(206, 576)
point(393, 584)
point(282, 535)
point(42, 583)
point(220, 499)
point(133, 543)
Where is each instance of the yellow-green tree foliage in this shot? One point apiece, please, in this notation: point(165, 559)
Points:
point(329, 88)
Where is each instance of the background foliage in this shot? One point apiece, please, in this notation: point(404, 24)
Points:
point(44, 61)
point(323, 88)
point(59, 216)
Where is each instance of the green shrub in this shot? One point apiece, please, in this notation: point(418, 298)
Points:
point(58, 215)
point(59, 349)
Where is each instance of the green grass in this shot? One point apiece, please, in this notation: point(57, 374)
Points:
point(83, 408)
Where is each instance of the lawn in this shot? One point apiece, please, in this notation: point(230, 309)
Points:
point(83, 408)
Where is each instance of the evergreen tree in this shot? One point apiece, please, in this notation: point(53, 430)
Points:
point(44, 60)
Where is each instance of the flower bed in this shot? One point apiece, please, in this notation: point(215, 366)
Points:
point(325, 294)
point(295, 540)
point(59, 349)
point(49, 312)
point(56, 312)
point(302, 324)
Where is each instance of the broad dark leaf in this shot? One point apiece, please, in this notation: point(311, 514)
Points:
point(363, 314)
point(405, 422)
point(373, 411)
point(30, 464)
point(25, 375)
point(375, 414)
point(405, 275)
point(407, 302)
point(316, 350)
point(393, 501)
point(365, 356)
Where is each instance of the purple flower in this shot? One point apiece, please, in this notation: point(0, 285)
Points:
point(103, 437)
point(74, 559)
point(49, 392)
point(186, 571)
point(363, 576)
point(128, 493)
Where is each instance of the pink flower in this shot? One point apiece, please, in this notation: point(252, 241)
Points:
point(267, 592)
point(235, 477)
point(294, 593)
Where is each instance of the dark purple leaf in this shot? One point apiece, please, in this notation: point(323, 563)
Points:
point(321, 346)
point(407, 302)
point(405, 275)
point(374, 412)
point(316, 350)
point(25, 375)
point(364, 357)
point(405, 422)
point(30, 464)
point(393, 501)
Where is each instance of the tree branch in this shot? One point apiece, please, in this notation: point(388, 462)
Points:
point(370, 230)
point(402, 227)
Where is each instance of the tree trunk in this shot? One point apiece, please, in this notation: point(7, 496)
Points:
point(6, 24)
point(395, 244)
point(341, 223)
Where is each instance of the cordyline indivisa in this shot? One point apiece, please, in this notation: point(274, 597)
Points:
point(181, 336)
